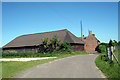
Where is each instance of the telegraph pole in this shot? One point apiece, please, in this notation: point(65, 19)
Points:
point(81, 31)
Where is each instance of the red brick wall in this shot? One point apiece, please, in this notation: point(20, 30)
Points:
point(90, 44)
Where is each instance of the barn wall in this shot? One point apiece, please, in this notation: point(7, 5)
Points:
point(74, 47)
point(77, 47)
point(20, 49)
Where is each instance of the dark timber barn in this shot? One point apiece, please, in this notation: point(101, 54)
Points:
point(27, 43)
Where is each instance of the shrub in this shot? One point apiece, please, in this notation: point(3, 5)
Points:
point(54, 43)
point(65, 46)
point(44, 47)
point(102, 48)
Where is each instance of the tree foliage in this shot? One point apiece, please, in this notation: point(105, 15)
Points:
point(110, 43)
point(65, 46)
point(115, 43)
point(53, 44)
point(44, 47)
point(102, 48)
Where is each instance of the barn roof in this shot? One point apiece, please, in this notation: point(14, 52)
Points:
point(35, 39)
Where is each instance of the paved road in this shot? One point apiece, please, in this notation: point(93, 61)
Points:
point(81, 66)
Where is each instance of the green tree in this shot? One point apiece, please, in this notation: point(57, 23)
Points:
point(54, 43)
point(118, 42)
point(110, 43)
point(102, 48)
point(65, 46)
point(44, 47)
point(115, 43)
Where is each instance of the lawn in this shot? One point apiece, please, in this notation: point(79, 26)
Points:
point(10, 69)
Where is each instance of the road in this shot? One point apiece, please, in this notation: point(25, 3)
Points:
point(81, 66)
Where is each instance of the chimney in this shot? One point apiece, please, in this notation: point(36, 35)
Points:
point(93, 35)
point(83, 36)
point(90, 32)
point(81, 31)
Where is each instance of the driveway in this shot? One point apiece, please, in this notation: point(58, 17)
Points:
point(81, 66)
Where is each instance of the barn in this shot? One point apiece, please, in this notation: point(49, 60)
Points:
point(27, 43)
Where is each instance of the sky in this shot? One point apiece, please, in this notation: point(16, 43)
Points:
point(20, 18)
point(60, 0)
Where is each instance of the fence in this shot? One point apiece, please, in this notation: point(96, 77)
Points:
point(110, 53)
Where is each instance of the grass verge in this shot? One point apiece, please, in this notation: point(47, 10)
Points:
point(10, 69)
point(109, 68)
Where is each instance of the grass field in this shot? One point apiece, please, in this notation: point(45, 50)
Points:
point(117, 54)
point(10, 69)
point(110, 70)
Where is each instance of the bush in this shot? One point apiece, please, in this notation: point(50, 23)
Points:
point(54, 43)
point(65, 46)
point(44, 47)
point(102, 48)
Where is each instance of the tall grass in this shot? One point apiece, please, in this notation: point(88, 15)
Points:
point(108, 67)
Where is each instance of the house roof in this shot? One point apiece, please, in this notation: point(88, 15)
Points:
point(35, 39)
point(87, 37)
point(81, 38)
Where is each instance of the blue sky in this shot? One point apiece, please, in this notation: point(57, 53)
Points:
point(21, 18)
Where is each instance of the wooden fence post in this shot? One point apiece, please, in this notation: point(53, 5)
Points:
point(108, 52)
point(112, 50)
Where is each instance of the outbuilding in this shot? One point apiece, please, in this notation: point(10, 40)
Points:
point(27, 43)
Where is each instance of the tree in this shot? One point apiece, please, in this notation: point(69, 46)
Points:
point(54, 43)
point(118, 43)
point(110, 43)
point(65, 46)
point(44, 47)
point(102, 48)
point(115, 43)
